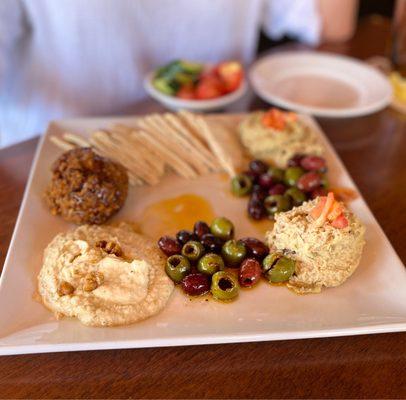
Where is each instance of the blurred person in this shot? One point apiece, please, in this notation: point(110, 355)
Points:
point(72, 57)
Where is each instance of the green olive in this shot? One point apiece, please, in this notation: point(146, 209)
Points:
point(222, 228)
point(277, 174)
point(277, 203)
point(177, 267)
point(269, 261)
point(192, 250)
point(297, 196)
point(278, 268)
point(241, 185)
point(210, 263)
point(224, 286)
point(233, 253)
point(324, 181)
point(292, 175)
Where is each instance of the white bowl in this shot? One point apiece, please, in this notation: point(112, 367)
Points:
point(321, 84)
point(175, 103)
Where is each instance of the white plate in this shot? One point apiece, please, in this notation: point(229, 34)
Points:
point(373, 300)
point(320, 84)
point(175, 103)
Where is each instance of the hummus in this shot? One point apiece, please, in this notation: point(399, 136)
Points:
point(325, 256)
point(104, 276)
point(277, 146)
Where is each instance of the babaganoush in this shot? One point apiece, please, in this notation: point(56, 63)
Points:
point(104, 276)
point(325, 255)
point(276, 136)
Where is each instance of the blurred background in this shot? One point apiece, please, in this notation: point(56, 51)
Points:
point(70, 58)
point(363, 10)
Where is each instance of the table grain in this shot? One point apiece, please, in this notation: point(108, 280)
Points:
point(373, 148)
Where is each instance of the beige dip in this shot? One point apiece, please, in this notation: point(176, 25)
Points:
point(274, 146)
point(325, 256)
point(104, 276)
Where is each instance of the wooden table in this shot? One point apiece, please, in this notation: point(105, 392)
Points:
point(374, 150)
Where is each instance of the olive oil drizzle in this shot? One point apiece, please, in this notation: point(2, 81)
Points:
point(168, 216)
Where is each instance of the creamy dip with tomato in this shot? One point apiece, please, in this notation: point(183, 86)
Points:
point(277, 143)
point(325, 255)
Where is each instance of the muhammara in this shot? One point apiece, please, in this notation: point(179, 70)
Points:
point(104, 276)
point(325, 255)
point(86, 188)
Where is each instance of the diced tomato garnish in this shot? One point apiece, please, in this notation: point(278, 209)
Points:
point(209, 87)
point(277, 119)
point(231, 73)
point(186, 92)
point(340, 222)
point(336, 210)
point(327, 208)
point(318, 208)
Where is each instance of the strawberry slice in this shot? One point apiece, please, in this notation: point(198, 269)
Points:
point(186, 92)
point(231, 73)
point(209, 87)
point(340, 222)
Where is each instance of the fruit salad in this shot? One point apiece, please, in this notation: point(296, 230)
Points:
point(196, 81)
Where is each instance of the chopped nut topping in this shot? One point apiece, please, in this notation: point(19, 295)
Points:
point(65, 288)
point(92, 281)
point(110, 247)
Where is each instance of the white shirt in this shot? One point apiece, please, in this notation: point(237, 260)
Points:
point(61, 58)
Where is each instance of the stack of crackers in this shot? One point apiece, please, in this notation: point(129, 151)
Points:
point(181, 142)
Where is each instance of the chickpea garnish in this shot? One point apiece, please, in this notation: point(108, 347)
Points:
point(65, 288)
point(110, 247)
point(92, 281)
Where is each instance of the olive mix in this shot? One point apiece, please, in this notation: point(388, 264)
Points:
point(274, 190)
point(209, 260)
